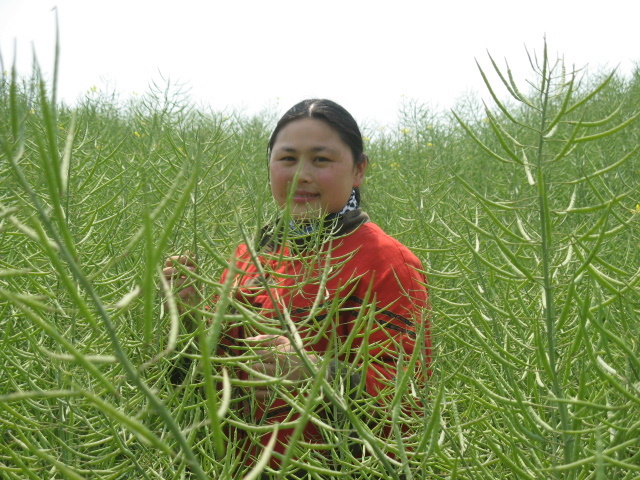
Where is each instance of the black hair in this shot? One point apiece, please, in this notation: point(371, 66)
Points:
point(334, 115)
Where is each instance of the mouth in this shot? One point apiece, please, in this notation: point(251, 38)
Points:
point(304, 197)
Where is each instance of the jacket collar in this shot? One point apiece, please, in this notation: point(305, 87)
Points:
point(313, 233)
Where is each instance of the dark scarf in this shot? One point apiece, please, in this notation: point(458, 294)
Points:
point(314, 234)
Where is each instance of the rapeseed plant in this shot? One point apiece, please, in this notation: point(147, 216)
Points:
point(521, 218)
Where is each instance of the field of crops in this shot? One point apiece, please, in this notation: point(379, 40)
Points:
point(526, 216)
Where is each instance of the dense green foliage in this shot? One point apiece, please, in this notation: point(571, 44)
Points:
point(526, 216)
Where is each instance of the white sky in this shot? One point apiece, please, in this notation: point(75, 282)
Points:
point(364, 54)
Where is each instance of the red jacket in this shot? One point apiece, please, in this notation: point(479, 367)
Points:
point(362, 268)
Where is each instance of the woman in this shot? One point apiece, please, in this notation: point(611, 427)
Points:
point(336, 296)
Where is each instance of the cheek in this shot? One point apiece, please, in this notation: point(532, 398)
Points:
point(327, 179)
point(334, 180)
point(277, 179)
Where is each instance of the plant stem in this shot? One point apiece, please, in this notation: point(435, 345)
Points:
point(546, 247)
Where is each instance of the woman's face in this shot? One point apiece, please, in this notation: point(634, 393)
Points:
point(324, 165)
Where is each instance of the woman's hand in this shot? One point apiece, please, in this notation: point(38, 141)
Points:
point(177, 271)
point(277, 359)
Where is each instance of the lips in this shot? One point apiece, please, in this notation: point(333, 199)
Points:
point(300, 196)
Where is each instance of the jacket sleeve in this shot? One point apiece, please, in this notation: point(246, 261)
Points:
point(389, 311)
point(229, 334)
point(180, 367)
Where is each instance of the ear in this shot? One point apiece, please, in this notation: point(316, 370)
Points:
point(360, 169)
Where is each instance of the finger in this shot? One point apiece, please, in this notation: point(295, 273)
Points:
point(265, 368)
point(186, 260)
point(266, 356)
point(184, 269)
point(187, 293)
point(170, 272)
point(172, 275)
point(261, 394)
point(171, 261)
point(177, 272)
point(261, 391)
point(258, 338)
point(268, 340)
point(265, 346)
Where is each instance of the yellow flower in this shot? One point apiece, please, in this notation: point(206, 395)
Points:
point(93, 89)
point(394, 165)
point(429, 144)
point(637, 209)
point(32, 111)
point(405, 130)
point(137, 134)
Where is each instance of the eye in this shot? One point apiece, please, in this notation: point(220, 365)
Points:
point(288, 159)
point(322, 159)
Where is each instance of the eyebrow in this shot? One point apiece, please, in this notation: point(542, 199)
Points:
point(313, 149)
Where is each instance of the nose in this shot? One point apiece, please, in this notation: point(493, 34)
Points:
point(305, 172)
